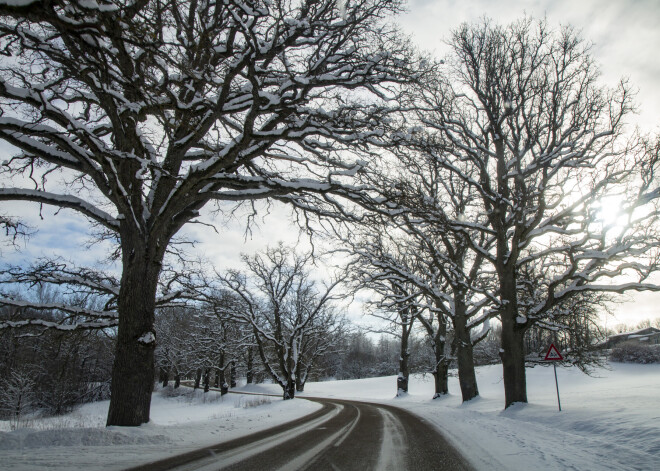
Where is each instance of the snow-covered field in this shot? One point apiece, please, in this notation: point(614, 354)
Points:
point(608, 422)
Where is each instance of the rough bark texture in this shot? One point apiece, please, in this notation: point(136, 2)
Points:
point(134, 368)
point(464, 354)
point(207, 380)
point(404, 369)
point(249, 375)
point(440, 376)
point(232, 375)
point(300, 378)
point(198, 378)
point(164, 376)
point(290, 388)
point(512, 354)
point(441, 372)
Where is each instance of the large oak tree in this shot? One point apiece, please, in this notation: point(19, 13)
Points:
point(150, 109)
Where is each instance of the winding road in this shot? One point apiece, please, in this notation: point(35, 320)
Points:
point(342, 435)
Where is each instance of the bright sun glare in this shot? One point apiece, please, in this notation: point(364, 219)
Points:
point(609, 212)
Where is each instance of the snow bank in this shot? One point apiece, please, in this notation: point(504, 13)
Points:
point(609, 421)
point(179, 424)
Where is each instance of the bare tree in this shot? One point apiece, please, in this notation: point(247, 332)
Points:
point(68, 365)
point(17, 396)
point(523, 122)
point(292, 321)
point(385, 261)
point(148, 110)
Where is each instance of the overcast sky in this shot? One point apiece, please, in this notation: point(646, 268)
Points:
point(625, 35)
point(626, 41)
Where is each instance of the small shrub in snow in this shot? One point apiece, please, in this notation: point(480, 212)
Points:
point(635, 352)
point(246, 402)
point(17, 397)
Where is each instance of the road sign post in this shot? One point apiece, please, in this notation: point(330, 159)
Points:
point(554, 355)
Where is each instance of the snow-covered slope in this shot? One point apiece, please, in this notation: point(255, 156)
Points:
point(610, 421)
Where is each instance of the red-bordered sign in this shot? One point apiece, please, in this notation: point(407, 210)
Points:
point(553, 354)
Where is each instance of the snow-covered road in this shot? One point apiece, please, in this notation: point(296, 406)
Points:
point(344, 435)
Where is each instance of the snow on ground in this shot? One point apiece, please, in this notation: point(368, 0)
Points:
point(609, 421)
point(80, 440)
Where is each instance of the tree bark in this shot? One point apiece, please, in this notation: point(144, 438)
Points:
point(133, 369)
point(290, 390)
point(440, 376)
point(512, 354)
point(300, 378)
point(198, 378)
point(290, 387)
point(441, 372)
point(404, 355)
point(249, 375)
point(467, 377)
point(165, 376)
point(232, 374)
point(207, 380)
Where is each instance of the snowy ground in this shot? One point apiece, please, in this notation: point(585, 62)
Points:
point(608, 422)
point(80, 441)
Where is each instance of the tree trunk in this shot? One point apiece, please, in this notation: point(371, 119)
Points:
point(512, 351)
point(220, 372)
point(232, 374)
point(464, 354)
point(512, 354)
point(467, 377)
point(441, 372)
point(290, 387)
point(302, 373)
point(207, 380)
point(300, 384)
point(162, 376)
point(198, 378)
point(165, 373)
point(133, 368)
point(404, 355)
point(177, 380)
point(249, 375)
point(290, 390)
point(440, 376)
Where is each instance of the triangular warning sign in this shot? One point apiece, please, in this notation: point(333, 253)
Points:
point(553, 354)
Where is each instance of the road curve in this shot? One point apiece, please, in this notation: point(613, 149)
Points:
point(341, 436)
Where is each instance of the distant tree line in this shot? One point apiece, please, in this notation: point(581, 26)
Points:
point(51, 371)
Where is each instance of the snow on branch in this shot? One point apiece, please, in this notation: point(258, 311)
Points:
point(62, 201)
